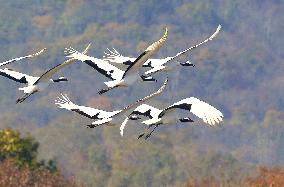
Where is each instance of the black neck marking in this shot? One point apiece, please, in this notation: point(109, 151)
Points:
point(147, 113)
point(186, 120)
point(128, 62)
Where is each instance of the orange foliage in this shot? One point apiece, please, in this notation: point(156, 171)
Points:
point(211, 182)
point(101, 102)
point(267, 177)
point(204, 183)
point(42, 22)
point(11, 176)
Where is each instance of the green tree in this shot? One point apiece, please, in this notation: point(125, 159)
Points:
point(22, 150)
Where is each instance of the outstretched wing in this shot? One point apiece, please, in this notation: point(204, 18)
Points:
point(142, 110)
point(154, 70)
point(143, 100)
point(197, 45)
point(17, 76)
point(150, 51)
point(56, 68)
point(103, 67)
point(92, 113)
point(113, 56)
point(206, 112)
point(169, 59)
point(23, 57)
point(122, 126)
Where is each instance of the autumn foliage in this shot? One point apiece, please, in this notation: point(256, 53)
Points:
point(11, 175)
point(19, 167)
point(264, 177)
point(272, 177)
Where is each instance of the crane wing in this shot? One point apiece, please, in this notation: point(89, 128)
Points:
point(56, 68)
point(206, 112)
point(154, 70)
point(143, 100)
point(150, 51)
point(103, 67)
point(92, 113)
point(142, 110)
point(23, 57)
point(17, 76)
point(197, 45)
point(130, 107)
point(113, 56)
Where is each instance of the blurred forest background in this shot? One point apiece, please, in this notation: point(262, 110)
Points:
point(240, 72)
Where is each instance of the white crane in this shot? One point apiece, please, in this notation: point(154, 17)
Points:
point(104, 117)
point(119, 78)
point(156, 65)
point(168, 116)
point(22, 57)
point(35, 84)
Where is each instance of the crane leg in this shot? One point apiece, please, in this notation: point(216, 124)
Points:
point(24, 97)
point(145, 131)
point(149, 134)
point(106, 90)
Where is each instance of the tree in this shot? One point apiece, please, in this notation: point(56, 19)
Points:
point(22, 150)
point(11, 175)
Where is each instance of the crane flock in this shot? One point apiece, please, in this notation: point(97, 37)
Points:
point(109, 66)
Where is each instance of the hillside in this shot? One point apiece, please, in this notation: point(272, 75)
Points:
point(240, 72)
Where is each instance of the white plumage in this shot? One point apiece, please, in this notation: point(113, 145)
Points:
point(104, 117)
point(156, 65)
point(119, 78)
point(23, 57)
point(204, 111)
point(35, 84)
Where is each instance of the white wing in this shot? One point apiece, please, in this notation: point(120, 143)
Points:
point(146, 98)
point(113, 56)
point(46, 76)
point(143, 57)
point(197, 45)
point(103, 67)
point(154, 70)
point(119, 113)
point(23, 57)
point(206, 112)
point(143, 109)
point(18, 77)
point(159, 67)
point(92, 113)
point(123, 126)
